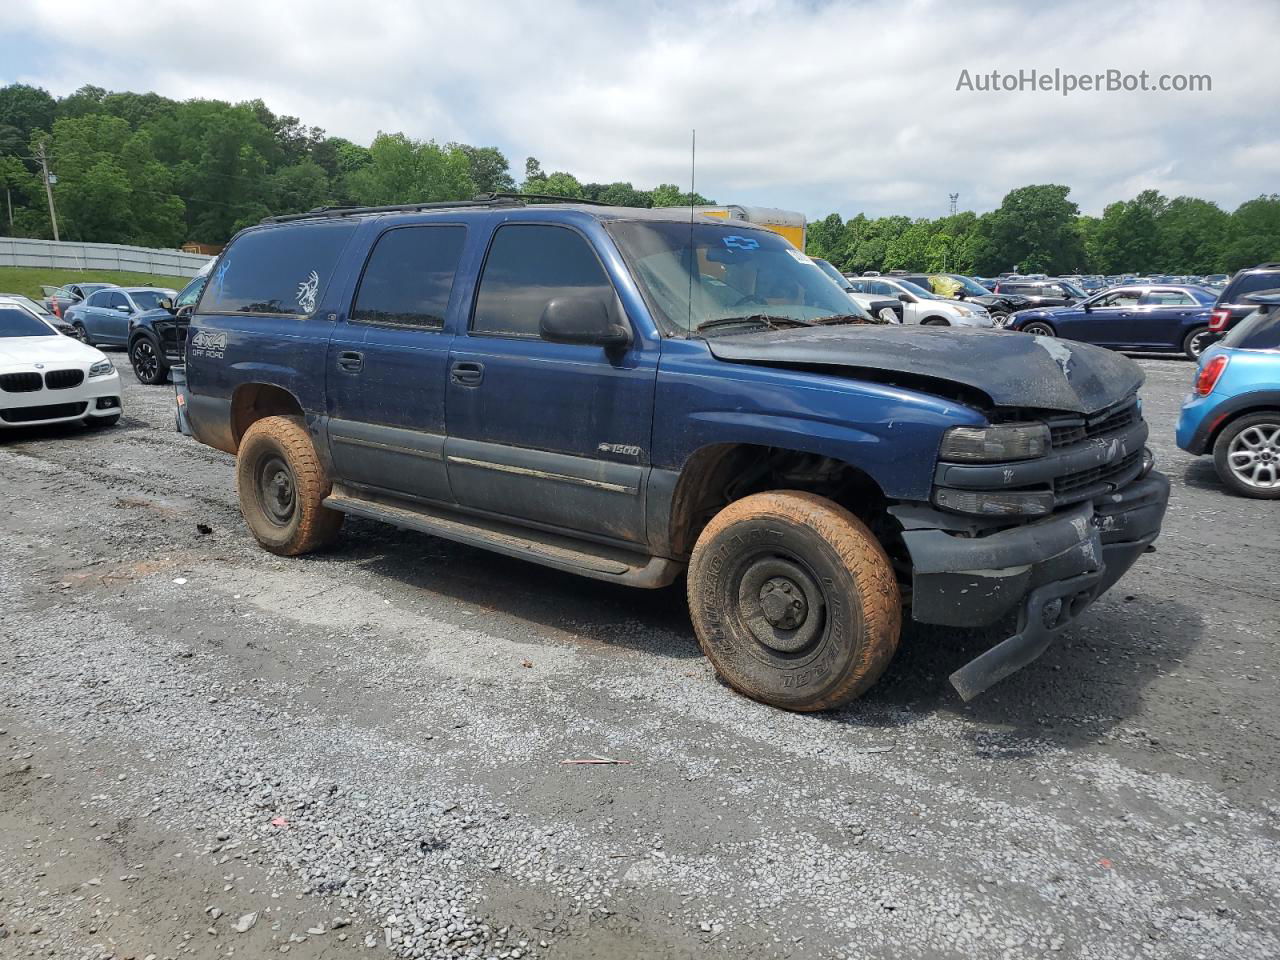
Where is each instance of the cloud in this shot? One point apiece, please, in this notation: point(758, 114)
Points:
point(813, 106)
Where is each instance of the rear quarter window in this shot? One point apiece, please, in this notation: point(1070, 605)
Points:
point(277, 270)
point(1249, 283)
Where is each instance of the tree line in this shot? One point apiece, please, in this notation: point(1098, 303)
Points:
point(143, 169)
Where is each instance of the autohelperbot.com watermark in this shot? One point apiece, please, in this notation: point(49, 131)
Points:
point(1065, 82)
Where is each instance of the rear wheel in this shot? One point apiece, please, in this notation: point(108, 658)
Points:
point(935, 322)
point(1039, 329)
point(282, 487)
point(1194, 343)
point(793, 600)
point(1247, 455)
point(148, 363)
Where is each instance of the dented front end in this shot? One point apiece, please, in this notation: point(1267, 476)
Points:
point(1044, 535)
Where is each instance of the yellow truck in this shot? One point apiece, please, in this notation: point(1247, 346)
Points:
point(789, 224)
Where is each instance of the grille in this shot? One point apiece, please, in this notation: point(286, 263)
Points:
point(20, 382)
point(63, 379)
point(1064, 433)
point(1073, 483)
point(52, 411)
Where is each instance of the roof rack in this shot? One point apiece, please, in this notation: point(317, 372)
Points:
point(481, 200)
point(1265, 266)
point(484, 200)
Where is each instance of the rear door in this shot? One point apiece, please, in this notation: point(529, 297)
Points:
point(1162, 318)
point(388, 364)
point(550, 433)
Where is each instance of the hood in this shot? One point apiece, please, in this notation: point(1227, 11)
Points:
point(1012, 369)
point(54, 348)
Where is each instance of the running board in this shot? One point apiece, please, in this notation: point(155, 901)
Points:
point(549, 549)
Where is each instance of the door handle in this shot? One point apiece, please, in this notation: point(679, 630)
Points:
point(351, 360)
point(466, 373)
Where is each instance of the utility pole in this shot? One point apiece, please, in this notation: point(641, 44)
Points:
point(48, 190)
point(955, 199)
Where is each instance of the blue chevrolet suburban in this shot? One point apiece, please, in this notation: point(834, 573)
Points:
point(635, 395)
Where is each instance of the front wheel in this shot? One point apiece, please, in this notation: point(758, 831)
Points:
point(1247, 455)
point(999, 319)
point(1195, 342)
point(1039, 329)
point(282, 487)
point(793, 600)
point(935, 322)
point(148, 365)
point(81, 333)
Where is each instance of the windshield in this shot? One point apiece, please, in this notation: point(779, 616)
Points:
point(737, 272)
point(26, 302)
point(1072, 289)
point(831, 272)
point(16, 322)
point(966, 284)
point(916, 290)
point(150, 299)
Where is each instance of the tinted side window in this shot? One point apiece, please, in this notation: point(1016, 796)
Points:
point(529, 265)
point(1258, 331)
point(117, 300)
point(282, 269)
point(97, 300)
point(1251, 283)
point(409, 276)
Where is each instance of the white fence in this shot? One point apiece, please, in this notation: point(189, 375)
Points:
point(87, 257)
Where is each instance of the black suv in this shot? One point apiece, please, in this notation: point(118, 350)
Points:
point(1049, 292)
point(158, 338)
point(956, 286)
point(1233, 302)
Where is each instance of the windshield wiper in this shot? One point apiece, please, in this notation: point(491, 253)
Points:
point(762, 319)
point(846, 318)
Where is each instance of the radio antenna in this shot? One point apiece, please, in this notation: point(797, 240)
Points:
point(693, 256)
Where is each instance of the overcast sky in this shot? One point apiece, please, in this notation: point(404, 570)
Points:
point(811, 106)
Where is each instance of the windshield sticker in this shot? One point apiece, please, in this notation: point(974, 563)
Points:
point(736, 242)
point(799, 257)
point(307, 292)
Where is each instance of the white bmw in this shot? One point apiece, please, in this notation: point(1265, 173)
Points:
point(48, 378)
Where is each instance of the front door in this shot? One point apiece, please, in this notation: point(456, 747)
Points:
point(387, 365)
point(551, 433)
point(1110, 319)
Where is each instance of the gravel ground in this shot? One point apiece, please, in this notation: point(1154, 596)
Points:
point(209, 751)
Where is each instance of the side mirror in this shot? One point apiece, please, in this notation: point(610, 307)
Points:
point(1088, 307)
point(165, 303)
point(124, 308)
point(906, 298)
point(584, 320)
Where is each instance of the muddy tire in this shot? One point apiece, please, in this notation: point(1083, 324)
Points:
point(282, 487)
point(793, 600)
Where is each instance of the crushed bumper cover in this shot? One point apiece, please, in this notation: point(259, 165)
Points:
point(1050, 571)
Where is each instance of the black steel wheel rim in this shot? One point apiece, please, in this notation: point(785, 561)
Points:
point(145, 362)
point(276, 489)
point(781, 603)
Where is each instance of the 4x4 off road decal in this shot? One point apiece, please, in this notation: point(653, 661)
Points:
point(206, 344)
point(307, 290)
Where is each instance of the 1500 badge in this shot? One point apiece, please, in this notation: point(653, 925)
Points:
point(620, 449)
point(206, 344)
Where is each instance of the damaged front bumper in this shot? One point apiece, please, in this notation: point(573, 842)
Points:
point(1050, 571)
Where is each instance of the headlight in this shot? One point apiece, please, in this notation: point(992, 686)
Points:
point(995, 503)
point(995, 444)
point(101, 368)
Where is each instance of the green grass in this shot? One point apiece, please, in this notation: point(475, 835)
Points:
point(28, 280)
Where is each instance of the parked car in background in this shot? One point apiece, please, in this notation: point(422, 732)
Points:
point(880, 309)
point(157, 338)
point(1233, 411)
point(922, 306)
point(58, 299)
point(1155, 319)
point(48, 378)
point(103, 317)
point(955, 286)
point(1235, 301)
point(1042, 291)
point(40, 311)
